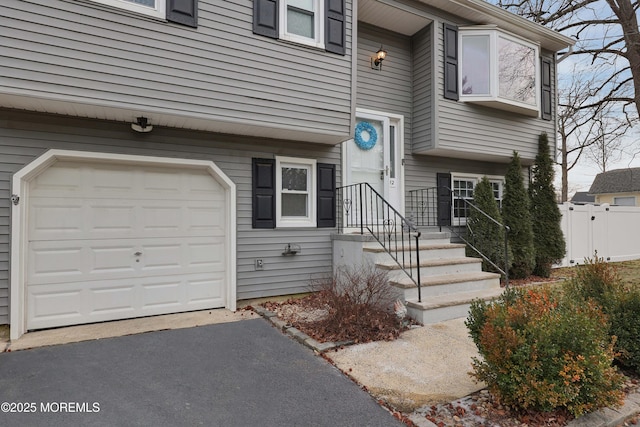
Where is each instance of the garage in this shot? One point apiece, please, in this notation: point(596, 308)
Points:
point(116, 237)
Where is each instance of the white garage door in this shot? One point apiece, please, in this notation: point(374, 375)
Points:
point(108, 241)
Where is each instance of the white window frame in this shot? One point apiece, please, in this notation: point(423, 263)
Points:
point(318, 22)
point(289, 221)
point(493, 98)
point(159, 11)
point(493, 179)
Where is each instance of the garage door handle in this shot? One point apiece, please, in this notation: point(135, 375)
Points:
point(138, 253)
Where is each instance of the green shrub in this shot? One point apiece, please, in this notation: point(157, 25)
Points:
point(600, 282)
point(516, 213)
point(483, 233)
point(596, 280)
point(625, 325)
point(541, 351)
point(548, 239)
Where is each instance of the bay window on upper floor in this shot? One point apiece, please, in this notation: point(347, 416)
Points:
point(498, 70)
point(488, 66)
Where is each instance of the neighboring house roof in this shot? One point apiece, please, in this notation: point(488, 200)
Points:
point(583, 197)
point(616, 181)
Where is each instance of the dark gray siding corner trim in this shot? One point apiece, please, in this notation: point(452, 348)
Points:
point(451, 62)
point(335, 26)
point(183, 12)
point(265, 18)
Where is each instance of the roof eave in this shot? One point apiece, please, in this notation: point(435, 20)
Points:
point(483, 12)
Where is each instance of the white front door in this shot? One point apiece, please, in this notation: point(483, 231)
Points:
point(374, 156)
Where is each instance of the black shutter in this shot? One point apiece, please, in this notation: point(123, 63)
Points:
point(334, 28)
point(183, 12)
point(451, 62)
point(547, 104)
point(265, 18)
point(326, 198)
point(264, 193)
point(444, 198)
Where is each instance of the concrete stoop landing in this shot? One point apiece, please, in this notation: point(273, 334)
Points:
point(450, 281)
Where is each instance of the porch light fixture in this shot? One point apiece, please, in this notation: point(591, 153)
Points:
point(142, 125)
point(376, 60)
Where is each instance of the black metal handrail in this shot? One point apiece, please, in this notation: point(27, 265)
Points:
point(361, 207)
point(423, 207)
point(469, 241)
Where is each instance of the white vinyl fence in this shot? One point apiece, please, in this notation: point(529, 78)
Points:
point(612, 231)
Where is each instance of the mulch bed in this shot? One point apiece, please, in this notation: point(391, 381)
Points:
point(317, 316)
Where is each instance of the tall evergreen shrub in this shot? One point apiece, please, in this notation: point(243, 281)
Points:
point(485, 235)
point(548, 239)
point(517, 215)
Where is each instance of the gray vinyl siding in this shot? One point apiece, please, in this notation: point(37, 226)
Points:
point(390, 89)
point(466, 130)
point(25, 136)
point(422, 137)
point(87, 53)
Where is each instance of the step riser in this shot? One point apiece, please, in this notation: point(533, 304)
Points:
point(450, 288)
point(439, 270)
point(440, 314)
point(425, 254)
point(436, 241)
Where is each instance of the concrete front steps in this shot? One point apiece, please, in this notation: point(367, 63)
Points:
point(450, 281)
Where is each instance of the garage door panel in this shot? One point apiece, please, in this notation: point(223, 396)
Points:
point(60, 262)
point(205, 292)
point(61, 180)
point(72, 261)
point(109, 241)
point(199, 256)
point(118, 300)
point(207, 219)
point(95, 301)
point(162, 257)
point(55, 218)
point(59, 306)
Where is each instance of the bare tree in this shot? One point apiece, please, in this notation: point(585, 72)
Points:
point(585, 126)
point(608, 143)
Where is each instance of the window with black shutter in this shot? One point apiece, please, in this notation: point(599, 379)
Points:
point(304, 19)
point(264, 193)
point(183, 12)
point(451, 62)
point(547, 100)
point(293, 192)
point(443, 181)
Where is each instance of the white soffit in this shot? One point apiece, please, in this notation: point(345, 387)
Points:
point(399, 19)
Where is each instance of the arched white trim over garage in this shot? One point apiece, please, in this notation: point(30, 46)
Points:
point(25, 186)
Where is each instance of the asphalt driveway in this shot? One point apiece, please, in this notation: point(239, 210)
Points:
point(233, 374)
